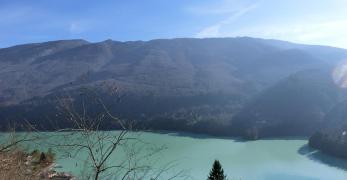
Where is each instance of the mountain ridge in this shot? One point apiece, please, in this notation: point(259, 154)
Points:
point(196, 84)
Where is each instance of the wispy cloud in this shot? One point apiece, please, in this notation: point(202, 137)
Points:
point(329, 32)
point(314, 27)
point(232, 16)
point(77, 27)
point(217, 7)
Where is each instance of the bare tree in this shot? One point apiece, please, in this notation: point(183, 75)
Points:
point(11, 139)
point(105, 149)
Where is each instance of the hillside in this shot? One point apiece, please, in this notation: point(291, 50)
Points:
point(332, 136)
point(295, 106)
point(199, 85)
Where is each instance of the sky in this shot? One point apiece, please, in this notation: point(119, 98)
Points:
point(321, 22)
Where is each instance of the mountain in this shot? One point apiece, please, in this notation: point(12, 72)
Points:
point(200, 85)
point(21, 79)
point(296, 106)
point(332, 135)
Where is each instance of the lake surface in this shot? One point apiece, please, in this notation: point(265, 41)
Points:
point(193, 155)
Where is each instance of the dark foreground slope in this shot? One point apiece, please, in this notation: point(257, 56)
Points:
point(216, 86)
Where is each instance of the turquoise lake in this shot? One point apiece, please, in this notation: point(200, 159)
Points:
point(192, 155)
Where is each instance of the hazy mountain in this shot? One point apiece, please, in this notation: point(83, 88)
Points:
point(21, 78)
point(295, 106)
point(332, 135)
point(203, 85)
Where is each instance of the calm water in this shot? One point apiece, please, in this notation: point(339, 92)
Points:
point(262, 159)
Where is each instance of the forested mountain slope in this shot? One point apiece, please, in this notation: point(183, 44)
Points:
point(214, 85)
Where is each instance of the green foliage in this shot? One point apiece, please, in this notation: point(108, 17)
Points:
point(217, 172)
point(43, 157)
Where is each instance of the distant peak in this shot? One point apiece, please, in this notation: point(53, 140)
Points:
point(81, 41)
point(108, 41)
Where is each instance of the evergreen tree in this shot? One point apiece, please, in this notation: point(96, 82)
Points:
point(42, 157)
point(217, 172)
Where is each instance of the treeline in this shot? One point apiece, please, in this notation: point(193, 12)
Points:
point(332, 142)
point(209, 114)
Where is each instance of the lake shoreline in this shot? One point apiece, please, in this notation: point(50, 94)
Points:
point(179, 133)
point(196, 152)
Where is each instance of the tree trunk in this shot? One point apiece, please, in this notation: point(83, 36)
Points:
point(97, 175)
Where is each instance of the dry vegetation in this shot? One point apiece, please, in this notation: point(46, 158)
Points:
point(17, 165)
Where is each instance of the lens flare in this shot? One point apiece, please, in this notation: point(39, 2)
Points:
point(340, 75)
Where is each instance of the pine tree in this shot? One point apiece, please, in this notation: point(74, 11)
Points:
point(42, 157)
point(217, 172)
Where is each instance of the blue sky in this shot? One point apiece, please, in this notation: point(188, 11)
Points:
point(304, 21)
